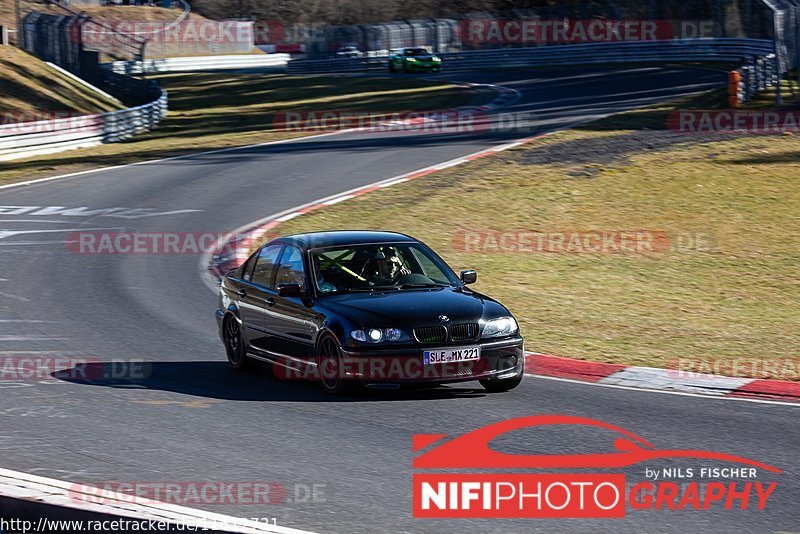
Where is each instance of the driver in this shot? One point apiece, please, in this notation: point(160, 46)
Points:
point(389, 267)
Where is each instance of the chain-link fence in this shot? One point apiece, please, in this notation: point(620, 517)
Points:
point(575, 22)
point(440, 35)
point(59, 39)
point(180, 37)
point(118, 31)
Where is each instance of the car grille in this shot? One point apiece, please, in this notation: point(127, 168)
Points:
point(430, 334)
point(464, 331)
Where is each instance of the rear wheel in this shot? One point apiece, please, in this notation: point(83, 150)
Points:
point(235, 345)
point(331, 369)
point(392, 68)
point(499, 386)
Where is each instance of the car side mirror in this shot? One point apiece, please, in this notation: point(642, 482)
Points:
point(289, 290)
point(469, 276)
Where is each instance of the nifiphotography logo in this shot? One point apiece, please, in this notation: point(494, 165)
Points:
point(723, 481)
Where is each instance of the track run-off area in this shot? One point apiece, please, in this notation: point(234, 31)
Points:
point(345, 463)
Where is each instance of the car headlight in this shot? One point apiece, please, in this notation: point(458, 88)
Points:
point(502, 326)
point(410, 59)
point(437, 59)
point(392, 334)
point(376, 335)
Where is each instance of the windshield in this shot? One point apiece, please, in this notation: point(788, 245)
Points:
point(416, 52)
point(379, 266)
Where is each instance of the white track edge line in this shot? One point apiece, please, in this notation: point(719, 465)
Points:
point(205, 262)
point(26, 480)
point(193, 154)
point(291, 213)
point(161, 160)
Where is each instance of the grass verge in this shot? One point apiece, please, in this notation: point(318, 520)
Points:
point(723, 297)
point(218, 110)
point(28, 85)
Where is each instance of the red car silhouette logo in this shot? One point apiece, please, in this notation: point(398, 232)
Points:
point(472, 450)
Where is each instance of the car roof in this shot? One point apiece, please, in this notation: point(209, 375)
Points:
point(345, 237)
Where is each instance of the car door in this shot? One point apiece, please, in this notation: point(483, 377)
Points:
point(254, 296)
point(294, 321)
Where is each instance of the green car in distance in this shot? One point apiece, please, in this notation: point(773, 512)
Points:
point(414, 59)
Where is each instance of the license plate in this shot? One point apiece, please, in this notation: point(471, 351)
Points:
point(461, 354)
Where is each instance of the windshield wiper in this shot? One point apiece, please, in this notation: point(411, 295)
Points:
point(345, 290)
point(411, 286)
point(401, 286)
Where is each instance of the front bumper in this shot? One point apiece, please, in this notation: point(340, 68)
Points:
point(499, 359)
point(423, 66)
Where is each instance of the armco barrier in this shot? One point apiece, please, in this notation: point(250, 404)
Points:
point(47, 137)
point(733, 50)
point(188, 64)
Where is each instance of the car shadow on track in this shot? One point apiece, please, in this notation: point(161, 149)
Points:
point(216, 380)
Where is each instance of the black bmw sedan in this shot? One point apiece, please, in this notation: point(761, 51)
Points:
point(379, 309)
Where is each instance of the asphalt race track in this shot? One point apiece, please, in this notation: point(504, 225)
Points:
point(194, 420)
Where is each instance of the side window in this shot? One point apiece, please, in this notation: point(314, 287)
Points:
point(247, 268)
point(290, 270)
point(265, 265)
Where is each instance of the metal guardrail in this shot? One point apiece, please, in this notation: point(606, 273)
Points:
point(734, 50)
point(188, 64)
point(50, 136)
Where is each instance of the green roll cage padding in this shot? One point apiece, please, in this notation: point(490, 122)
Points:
point(335, 261)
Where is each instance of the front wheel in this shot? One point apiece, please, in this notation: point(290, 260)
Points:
point(331, 369)
point(235, 345)
point(499, 386)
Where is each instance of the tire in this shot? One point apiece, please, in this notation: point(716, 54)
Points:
point(235, 345)
point(392, 68)
point(405, 68)
point(329, 363)
point(500, 386)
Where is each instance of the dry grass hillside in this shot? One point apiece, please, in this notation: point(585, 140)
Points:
point(29, 85)
point(139, 13)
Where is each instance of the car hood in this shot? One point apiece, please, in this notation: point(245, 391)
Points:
point(409, 308)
